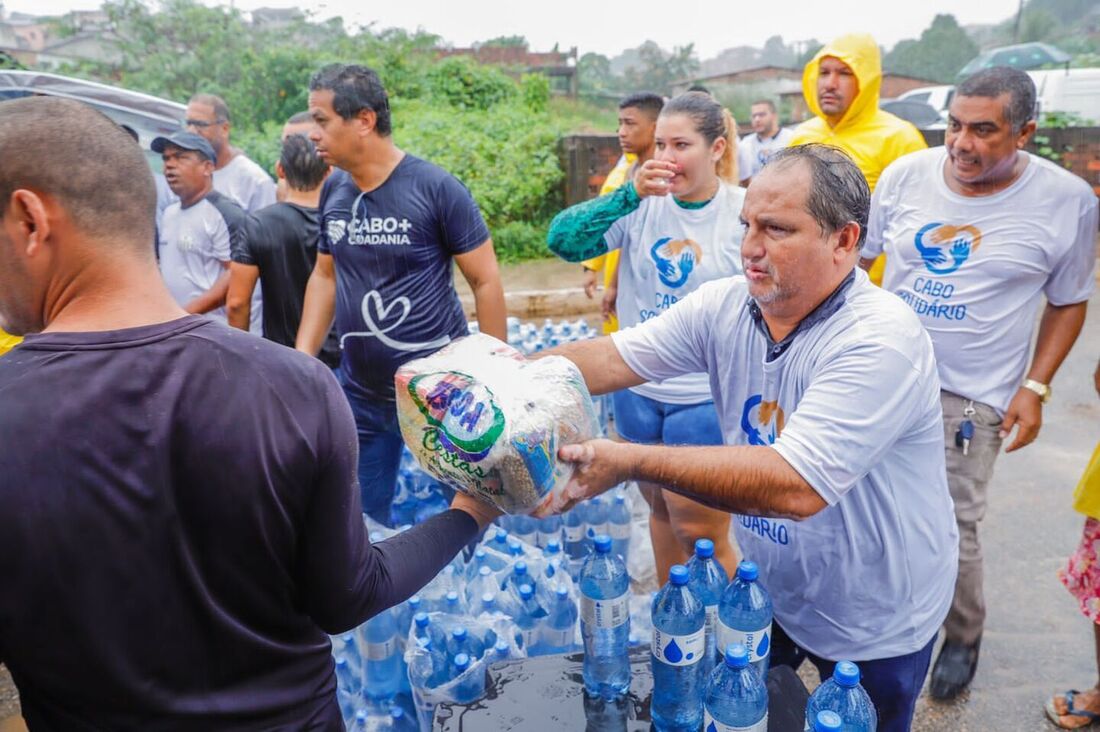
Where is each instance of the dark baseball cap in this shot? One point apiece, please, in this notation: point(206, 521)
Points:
point(185, 141)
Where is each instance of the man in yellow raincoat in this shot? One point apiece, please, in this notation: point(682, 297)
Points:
point(841, 85)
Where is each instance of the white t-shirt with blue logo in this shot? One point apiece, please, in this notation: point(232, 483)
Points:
point(853, 405)
point(975, 269)
point(667, 252)
point(753, 151)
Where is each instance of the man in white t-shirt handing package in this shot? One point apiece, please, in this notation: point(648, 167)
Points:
point(829, 403)
point(977, 232)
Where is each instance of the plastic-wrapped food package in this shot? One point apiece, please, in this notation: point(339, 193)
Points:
point(481, 418)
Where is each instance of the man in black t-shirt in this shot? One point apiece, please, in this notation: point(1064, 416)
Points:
point(280, 250)
point(180, 525)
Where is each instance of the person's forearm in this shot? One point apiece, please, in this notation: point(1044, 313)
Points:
point(599, 362)
point(317, 313)
point(748, 480)
point(492, 314)
point(577, 233)
point(1058, 330)
point(213, 298)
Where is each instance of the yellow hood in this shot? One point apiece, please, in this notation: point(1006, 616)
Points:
point(861, 53)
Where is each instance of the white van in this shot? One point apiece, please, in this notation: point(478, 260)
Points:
point(938, 97)
point(1075, 91)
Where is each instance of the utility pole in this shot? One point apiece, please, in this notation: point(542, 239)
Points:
point(1016, 27)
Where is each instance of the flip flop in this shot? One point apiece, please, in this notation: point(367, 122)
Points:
point(1071, 711)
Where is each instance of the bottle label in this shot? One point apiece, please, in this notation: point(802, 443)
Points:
point(556, 638)
point(757, 642)
point(595, 530)
point(619, 531)
point(679, 650)
point(574, 534)
point(712, 623)
point(530, 637)
point(383, 650)
point(710, 724)
point(606, 613)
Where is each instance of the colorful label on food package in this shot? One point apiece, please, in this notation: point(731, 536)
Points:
point(605, 613)
point(538, 452)
point(679, 650)
point(461, 409)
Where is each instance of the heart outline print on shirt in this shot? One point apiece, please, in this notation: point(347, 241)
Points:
point(958, 243)
point(377, 331)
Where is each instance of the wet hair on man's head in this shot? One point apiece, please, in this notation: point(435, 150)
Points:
point(766, 102)
point(67, 151)
point(997, 80)
point(647, 102)
point(303, 167)
point(355, 88)
point(838, 191)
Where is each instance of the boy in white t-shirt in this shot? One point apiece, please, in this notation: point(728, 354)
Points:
point(976, 234)
point(828, 398)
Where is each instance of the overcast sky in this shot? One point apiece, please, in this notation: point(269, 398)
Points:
point(609, 27)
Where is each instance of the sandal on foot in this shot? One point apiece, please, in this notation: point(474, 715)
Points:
point(1071, 711)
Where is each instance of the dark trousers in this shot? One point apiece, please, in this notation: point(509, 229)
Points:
point(892, 683)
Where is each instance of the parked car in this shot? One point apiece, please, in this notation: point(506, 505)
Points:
point(1020, 56)
point(147, 115)
point(923, 115)
point(1069, 91)
point(939, 97)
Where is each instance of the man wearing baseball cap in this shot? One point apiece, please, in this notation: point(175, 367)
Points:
point(200, 230)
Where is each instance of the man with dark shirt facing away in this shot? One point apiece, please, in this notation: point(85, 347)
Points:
point(181, 522)
point(392, 227)
point(280, 249)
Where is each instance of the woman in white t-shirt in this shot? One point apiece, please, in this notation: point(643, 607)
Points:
point(677, 225)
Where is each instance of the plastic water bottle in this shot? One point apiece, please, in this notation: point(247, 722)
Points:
point(348, 646)
point(486, 604)
point(708, 582)
point(500, 540)
point(560, 631)
point(529, 620)
point(844, 695)
point(452, 603)
point(828, 722)
point(745, 616)
point(479, 560)
point(512, 329)
point(501, 651)
point(573, 523)
point(459, 642)
point(618, 525)
point(383, 660)
point(483, 583)
point(552, 554)
point(470, 689)
point(736, 696)
point(349, 687)
point(549, 530)
point(526, 529)
point(679, 646)
point(519, 577)
point(401, 722)
point(605, 621)
point(597, 518)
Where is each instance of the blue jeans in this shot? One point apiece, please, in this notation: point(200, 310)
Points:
point(892, 683)
point(646, 421)
point(380, 446)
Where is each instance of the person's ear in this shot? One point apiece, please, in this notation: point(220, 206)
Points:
point(1025, 134)
point(718, 148)
point(368, 121)
point(279, 172)
point(27, 221)
point(847, 240)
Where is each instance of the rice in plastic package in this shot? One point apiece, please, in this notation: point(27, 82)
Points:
point(480, 417)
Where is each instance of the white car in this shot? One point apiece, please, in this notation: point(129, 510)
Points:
point(937, 97)
point(1070, 91)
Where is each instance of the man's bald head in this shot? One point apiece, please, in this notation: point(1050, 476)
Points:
point(70, 153)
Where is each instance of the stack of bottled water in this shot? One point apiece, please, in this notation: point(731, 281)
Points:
point(418, 496)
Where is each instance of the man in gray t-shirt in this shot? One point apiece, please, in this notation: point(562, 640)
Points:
point(828, 396)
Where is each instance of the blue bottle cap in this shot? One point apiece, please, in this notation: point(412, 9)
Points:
point(620, 498)
point(553, 547)
point(602, 542)
point(827, 721)
point(451, 598)
point(561, 591)
point(502, 536)
point(526, 592)
point(704, 548)
point(597, 501)
point(479, 557)
point(459, 633)
point(414, 602)
point(462, 662)
point(846, 673)
point(520, 567)
point(341, 662)
point(737, 656)
point(424, 643)
point(397, 714)
point(484, 571)
point(502, 647)
point(678, 575)
point(748, 571)
point(489, 598)
point(422, 620)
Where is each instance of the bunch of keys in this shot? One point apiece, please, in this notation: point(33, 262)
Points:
point(965, 433)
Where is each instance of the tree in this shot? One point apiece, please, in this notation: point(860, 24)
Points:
point(943, 49)
point(776, 53)
point(504, 42)
point(1038, 25)
point(658, 70)
point(595, 75)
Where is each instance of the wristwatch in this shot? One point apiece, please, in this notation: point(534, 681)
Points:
point(1043, 390)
